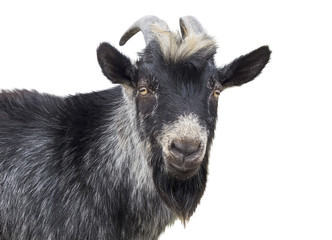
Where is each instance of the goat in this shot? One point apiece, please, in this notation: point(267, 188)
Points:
point(122, 163)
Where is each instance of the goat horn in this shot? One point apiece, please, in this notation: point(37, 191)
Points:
point(190, 24)
point(144, 25)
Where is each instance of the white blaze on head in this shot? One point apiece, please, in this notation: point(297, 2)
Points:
point(175, 49)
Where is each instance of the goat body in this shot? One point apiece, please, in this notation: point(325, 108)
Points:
point(75, 168)
point(121, 163)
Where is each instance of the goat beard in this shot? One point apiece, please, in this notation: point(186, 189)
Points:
point(181, 196)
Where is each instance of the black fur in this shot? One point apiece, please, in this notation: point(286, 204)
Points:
point(121, 71)
point(61, 175)
point(245, 68)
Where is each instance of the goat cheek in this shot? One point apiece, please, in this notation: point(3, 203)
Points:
point(146, 104)
point(213, 106)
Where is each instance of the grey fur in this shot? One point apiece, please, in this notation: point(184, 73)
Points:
point(27, 177)
point(121, 163)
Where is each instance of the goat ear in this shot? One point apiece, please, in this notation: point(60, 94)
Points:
point(245, 68)
point(115, 66)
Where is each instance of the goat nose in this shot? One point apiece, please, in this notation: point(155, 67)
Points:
point(185, 147)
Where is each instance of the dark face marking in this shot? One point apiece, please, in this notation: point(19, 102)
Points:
point(177, 105)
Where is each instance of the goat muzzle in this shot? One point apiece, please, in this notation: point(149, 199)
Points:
point(185, 157)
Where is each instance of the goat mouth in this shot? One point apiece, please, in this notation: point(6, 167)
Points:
point(181, 171)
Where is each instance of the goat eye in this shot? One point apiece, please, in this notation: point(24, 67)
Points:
point(216, 93)
point(143, 91)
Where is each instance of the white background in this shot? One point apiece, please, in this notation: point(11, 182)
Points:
point(270, 167)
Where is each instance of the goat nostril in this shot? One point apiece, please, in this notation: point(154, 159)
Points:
point(186, 147)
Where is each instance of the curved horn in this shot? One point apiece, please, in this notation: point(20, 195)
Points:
point(190, 24)
point(144, 25)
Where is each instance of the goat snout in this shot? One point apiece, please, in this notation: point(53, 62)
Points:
point(185, 158)
point(185, 150)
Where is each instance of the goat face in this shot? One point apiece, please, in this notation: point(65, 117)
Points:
point(175, 86)
point(177, 106)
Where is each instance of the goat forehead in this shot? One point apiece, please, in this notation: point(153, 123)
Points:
point(178, 89)
point(186, 93)
point(186, 87)
point(176, 75)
